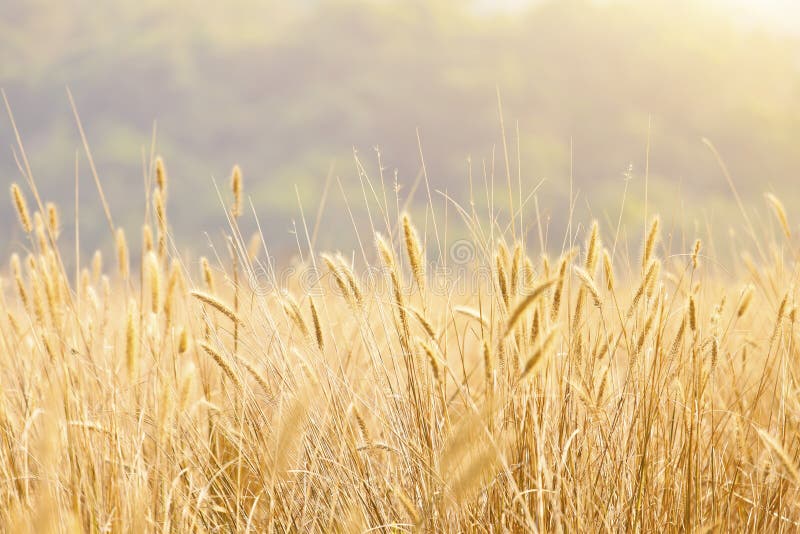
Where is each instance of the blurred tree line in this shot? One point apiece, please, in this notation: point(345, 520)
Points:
point(290, 89)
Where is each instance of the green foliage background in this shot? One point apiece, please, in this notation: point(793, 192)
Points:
point(290, 89)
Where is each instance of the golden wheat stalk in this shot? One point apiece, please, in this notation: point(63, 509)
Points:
point(221, 362)
point(588, 284)
point(648, 280)
point(426, 325)
point(696, 253)
point(53, 220)
point(780, 213)
point(608, 270)
point(526, 303)
point(154, 279)
point(538, 357)
point(16, 270)
point(416, 257)
point(132, 339)
point(387, 255)
point(236, 188)
point(317, 326)
point(516, 267)
point(22, 208)
point(591, 249)
point(650, 242)
point(562, 271)
point(744, 300)
point(293, 310)
point(122, 254)
point(217, 304)
point(502, 280)
point(255, 375)
point(161, 175)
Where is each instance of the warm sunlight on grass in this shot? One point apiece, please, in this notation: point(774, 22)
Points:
point(399, 266)
point(493, 389)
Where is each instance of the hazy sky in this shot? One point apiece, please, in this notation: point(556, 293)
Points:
point(783, 15)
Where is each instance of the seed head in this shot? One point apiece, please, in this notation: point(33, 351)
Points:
point(22, 208)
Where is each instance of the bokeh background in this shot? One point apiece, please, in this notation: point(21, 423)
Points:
point(291, 89)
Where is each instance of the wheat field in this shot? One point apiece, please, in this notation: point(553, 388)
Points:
point(493, 389)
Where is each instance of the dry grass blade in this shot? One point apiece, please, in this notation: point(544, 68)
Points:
point(780, 213)
point(783, 455)
point(471, 313)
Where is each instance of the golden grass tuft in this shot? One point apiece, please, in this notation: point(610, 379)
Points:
point(491, 399)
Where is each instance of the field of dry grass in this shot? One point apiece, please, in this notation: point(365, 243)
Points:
point(490, 389)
